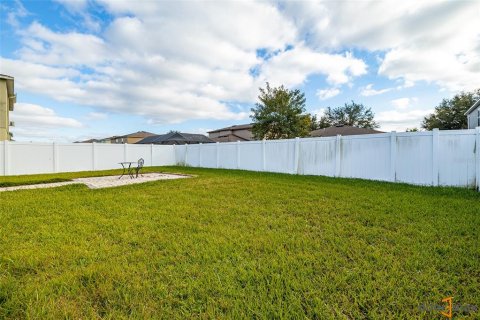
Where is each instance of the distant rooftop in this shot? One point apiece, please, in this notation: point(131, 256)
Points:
point(342, 130)
point(138, 134)
point(235, 127)
point(176, 138)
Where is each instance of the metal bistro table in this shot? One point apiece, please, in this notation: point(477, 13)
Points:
point(127, 168)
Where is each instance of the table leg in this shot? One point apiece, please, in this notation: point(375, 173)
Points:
point(130, 170)
point(123, 173)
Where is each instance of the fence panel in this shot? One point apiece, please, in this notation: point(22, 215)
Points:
point(414, 158)
point(108, 156)
point(365, 157)
point(250, 156)
point(30, 158)
point(179, 156)
point(74, 157)
point(208, 155)
point(193, 155)
point(317, 157)
point(456, 156)
point(280, 156)
point(164, 155)
point(227, 155)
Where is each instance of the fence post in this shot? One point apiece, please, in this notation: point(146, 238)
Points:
point(186, 152)
point(200, 155)
point(151, 154)
point(337, 155)
point(6, 157)
point(296, 155)
point(125, 152)
point(435, 135)
point(238, 154)
point(55, 157)
point(477, 157)
point(393, 156)
point(94, 167)
point(264, 158)
point(217, 154)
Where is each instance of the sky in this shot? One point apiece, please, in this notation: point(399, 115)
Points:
point(96, 68)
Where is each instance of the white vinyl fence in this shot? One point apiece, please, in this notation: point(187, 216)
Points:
point(445, 158)
point(18, 158)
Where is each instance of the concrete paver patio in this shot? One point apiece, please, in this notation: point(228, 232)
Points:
point(102, 182)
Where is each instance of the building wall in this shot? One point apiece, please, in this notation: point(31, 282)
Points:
point(4, 117)
point(231, 135)
point(133, 140)
point(473, 119)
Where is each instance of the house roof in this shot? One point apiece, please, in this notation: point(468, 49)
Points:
point(138, 134)
point(235, 127)
point(88, 141)
point(342, 130)
point(4, 76)
point(475, 105)
point(178, 137)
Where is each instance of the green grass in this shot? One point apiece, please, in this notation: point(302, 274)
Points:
point(236, 244)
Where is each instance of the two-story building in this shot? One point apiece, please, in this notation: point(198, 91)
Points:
point(241, 132)
point(7, 100)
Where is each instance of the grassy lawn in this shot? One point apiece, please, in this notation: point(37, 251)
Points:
point(236, 244)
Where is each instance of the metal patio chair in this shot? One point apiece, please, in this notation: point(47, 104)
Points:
point(139, 167)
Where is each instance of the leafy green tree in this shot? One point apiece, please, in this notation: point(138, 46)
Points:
point(280, 114)
point(314, 122)
point(450, 113)
point(351, 114)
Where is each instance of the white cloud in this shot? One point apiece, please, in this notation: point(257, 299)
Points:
point(324, 94)
point(293, 66)
point(370, 91)
point(195, 69)
point(96, 116)
point(28, 115)
point(403, 103)
point(15, 13)
point(401, 120)
point(35, 122)
point(433, 41)
point(177, 61)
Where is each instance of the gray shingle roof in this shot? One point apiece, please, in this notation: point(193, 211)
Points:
point(342, 130)
point(176, 138)
point(235, 127)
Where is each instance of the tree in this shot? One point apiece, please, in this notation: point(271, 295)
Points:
point(412, 130)
point(280, 114)
point(314, 122)
point(353, 114)
point(450, 113)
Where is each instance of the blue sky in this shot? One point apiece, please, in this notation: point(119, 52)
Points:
point(96, 68)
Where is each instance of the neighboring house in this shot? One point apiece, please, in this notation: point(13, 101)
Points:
point(241, 132)
point(89, 141)
point(7, 100)
point(473, 115)
point(176, 138)
point(132, 137)
point(342, 130)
